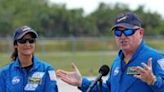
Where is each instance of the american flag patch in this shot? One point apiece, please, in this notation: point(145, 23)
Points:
point(161, 63)
point(52, 75)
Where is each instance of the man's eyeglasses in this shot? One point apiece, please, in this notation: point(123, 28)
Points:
point(126, 32)
point(23, 41)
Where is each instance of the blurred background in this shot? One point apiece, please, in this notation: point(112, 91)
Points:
point(76, 31)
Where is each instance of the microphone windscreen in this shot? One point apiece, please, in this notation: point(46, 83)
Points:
point(104, 69)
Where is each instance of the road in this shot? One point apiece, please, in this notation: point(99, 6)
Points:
point(63, 87)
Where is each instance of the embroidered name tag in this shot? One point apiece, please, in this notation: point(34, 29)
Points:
point(131, 71)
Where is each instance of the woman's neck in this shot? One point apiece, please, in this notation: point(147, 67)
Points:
point(25, 60)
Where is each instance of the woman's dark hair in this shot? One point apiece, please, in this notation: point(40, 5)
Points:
point(14, 54)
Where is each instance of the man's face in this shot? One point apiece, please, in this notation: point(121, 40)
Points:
point(128, 39)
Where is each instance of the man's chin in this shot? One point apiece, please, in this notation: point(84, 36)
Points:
point(124, 48)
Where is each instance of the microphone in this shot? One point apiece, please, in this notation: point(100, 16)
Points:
point(103, 71)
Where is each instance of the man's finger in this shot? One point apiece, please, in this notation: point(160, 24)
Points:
point(137, 76)
point(150, 62)
point(146, 67)
point(60, 73)
point(75, 67)
point(140, 70)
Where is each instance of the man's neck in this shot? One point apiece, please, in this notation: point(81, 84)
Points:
point(128, 54)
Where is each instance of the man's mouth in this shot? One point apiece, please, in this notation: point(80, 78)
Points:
point(123, 42)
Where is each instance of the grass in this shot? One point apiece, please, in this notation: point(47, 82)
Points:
point(87, 62)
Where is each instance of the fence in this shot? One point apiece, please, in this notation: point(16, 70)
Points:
point(46, 45)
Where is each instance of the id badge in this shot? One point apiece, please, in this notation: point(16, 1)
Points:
point(131, 71)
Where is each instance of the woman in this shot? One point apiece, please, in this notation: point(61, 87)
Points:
point(26, 72)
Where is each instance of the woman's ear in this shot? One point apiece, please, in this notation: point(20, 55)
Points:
point(15, 46)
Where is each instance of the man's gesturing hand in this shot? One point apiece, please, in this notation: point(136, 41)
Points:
point(73, 78)
point(145, 73)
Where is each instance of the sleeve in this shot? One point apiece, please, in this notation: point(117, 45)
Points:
point(51, 84)
point(2, 82)
point(86, 83)
point(158, 85)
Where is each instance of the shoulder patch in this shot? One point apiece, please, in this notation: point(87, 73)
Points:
point(161, 63)
point(52, 75)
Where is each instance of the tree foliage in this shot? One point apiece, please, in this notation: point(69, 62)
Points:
point(54, 20)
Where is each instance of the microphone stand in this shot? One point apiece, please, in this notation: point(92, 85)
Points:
point(100, 85)
point(103, 72)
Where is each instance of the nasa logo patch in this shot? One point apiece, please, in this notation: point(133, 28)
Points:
point(15, 80)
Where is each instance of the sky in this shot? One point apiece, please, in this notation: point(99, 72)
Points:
point(90, 5)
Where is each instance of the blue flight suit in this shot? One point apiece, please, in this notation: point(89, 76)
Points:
point(120, 81)
point(40, 78)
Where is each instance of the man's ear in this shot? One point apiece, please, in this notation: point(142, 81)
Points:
point(142, 31)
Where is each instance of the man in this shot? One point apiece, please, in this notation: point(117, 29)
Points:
point(137, 67)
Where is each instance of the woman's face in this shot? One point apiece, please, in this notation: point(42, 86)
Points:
point(26, 45)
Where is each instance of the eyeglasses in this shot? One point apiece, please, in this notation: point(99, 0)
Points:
point(23, 41)
point(126, 32)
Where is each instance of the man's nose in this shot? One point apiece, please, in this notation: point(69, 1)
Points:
point(122, 35)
